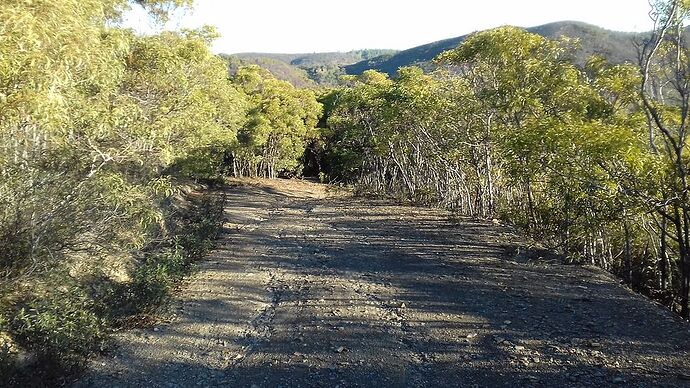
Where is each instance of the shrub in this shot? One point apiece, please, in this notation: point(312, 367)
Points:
point(60, 328)
point(153, 281)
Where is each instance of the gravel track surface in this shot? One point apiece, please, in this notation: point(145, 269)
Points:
point(307, 289)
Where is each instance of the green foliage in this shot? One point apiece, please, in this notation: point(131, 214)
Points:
point(298, 77)
point(161, 8)
point(353, 124)
point(154, 279)
point(195, 231)
point(307, 70)
point(664, 190)
point(508, 126)
point(198, 228)
point(60, 327)
point(281, 121)
point(98, 127)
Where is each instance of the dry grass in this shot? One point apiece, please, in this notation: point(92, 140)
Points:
point(294, 188)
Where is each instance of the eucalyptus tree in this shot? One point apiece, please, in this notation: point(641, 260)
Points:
point(97, 125)
point(665, 93)
point(421, 129)
point(592, 160)
point(281, 121)
point(354, 128)
point(527, 88)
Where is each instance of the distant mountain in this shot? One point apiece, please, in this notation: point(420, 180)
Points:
point(311, 70)
point(320, 59)
point(280, 69)
point(617, 47)
point(308, 70)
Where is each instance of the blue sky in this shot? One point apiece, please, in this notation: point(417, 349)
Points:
point(303, 26)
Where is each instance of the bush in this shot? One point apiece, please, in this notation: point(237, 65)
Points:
point(60, 328)
point(62, 319)
point(202, 227)
point(195, 231)
point(7, 359)
point(152, 282)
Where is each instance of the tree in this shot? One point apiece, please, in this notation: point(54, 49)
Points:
point(527, 86)
point(353, 125)
point(509, 127)
point(664, 62)
point(281, 121)
point(97, 128)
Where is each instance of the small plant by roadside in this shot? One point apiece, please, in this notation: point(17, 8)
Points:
point(59, 328)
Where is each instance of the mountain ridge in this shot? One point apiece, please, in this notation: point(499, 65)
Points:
point(616, 46)
point(325, 68)
point(308, 69)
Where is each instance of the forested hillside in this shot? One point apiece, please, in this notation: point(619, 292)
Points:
point(277, 68)
point(617, 47)
point(308, 70)
point(115, 147)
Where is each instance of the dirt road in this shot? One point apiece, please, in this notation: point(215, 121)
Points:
point(309, 291)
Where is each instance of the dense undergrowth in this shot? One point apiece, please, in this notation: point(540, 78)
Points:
point(63, 318)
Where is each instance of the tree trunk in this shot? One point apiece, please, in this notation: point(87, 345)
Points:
point(683, 256)
point(664, 263)
point(627, 254)
point(685, 265)
point(532, 220)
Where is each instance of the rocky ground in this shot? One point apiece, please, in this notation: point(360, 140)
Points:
point(307, 289)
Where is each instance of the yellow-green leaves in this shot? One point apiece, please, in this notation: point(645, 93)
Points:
point(281, 121)
point(160, 9)
point(182, 95)
point(94, 120)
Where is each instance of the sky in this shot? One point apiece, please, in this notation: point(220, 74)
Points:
point(306, 26)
